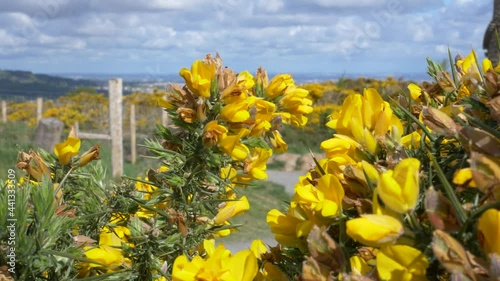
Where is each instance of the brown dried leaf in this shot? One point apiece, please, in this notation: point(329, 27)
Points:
point(445, 82)
point(324, 249)
point(491, 85)
point(61, 211)
point(440, 211)
point(486, 173)
point(226, 78)
point(494, 106)
point(481, 141)
point(32, 164)
point(459, 276)
point(451, 254)
point(439, 122)
point(82, 240)
point(354, 277)
point(314, 271)
point(181, 224)
point(479, 266)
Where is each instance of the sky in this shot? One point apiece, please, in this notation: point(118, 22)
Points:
point(381, 37)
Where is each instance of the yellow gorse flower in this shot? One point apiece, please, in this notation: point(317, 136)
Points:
point(374, 230)
point(284, 227)
point(264, 113)
point(489, 231)
point(256, 166)
point(213, 133)
point(295, 105)
point(359, 266)
point(108, 254)
point(415, 91)
point(364, 118)
point(399, 189)
point(67, 149)
point(232, 146)
point(325, 199)
point(277, 142)
point(401, 262)
point(278, 85)
point(231, 209)
point(218, 265)
point(411, 140)
point(199, 79)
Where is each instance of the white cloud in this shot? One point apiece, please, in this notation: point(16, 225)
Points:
point(275, 32)
point(347, 3)
point(422, 32)
point(270, 5)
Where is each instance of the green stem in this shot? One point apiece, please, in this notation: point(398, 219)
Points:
point(449, 190)
point(453, 70)
point(415, 224)
point(59, 187)
point(477, 213)
point(342, 236)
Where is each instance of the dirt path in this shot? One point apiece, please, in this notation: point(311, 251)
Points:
point(287, 179)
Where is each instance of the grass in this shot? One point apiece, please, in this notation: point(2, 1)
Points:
point(262, 197)
point(300, 140)
point(15, 137)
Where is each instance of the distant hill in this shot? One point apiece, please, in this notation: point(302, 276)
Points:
point(26, 83)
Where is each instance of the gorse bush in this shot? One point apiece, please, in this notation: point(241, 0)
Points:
point(224, 128)
point(409, 188)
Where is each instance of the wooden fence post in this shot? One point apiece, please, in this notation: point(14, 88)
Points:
point(115, 125)
point(132, 133)
point(39, 109)
point(164, 116)
point(4, 111)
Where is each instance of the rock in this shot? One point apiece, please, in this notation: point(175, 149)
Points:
point(289, 160)
point(48, 133)
point(306, 161)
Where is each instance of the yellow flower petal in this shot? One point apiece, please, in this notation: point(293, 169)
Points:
point(399, 189)
point(374, 230)
point(489, 228)
point(401, 262)
point(243, 266)
point(463, 177)
point(67, 149)
point(231, 209)
point(415, 91)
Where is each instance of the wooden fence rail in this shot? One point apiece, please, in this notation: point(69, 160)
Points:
point(116, 134)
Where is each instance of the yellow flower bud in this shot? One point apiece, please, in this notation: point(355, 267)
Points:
point(374, 230)
point(89, 155)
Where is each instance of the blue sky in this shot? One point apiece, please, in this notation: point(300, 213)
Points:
point(298, 36)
